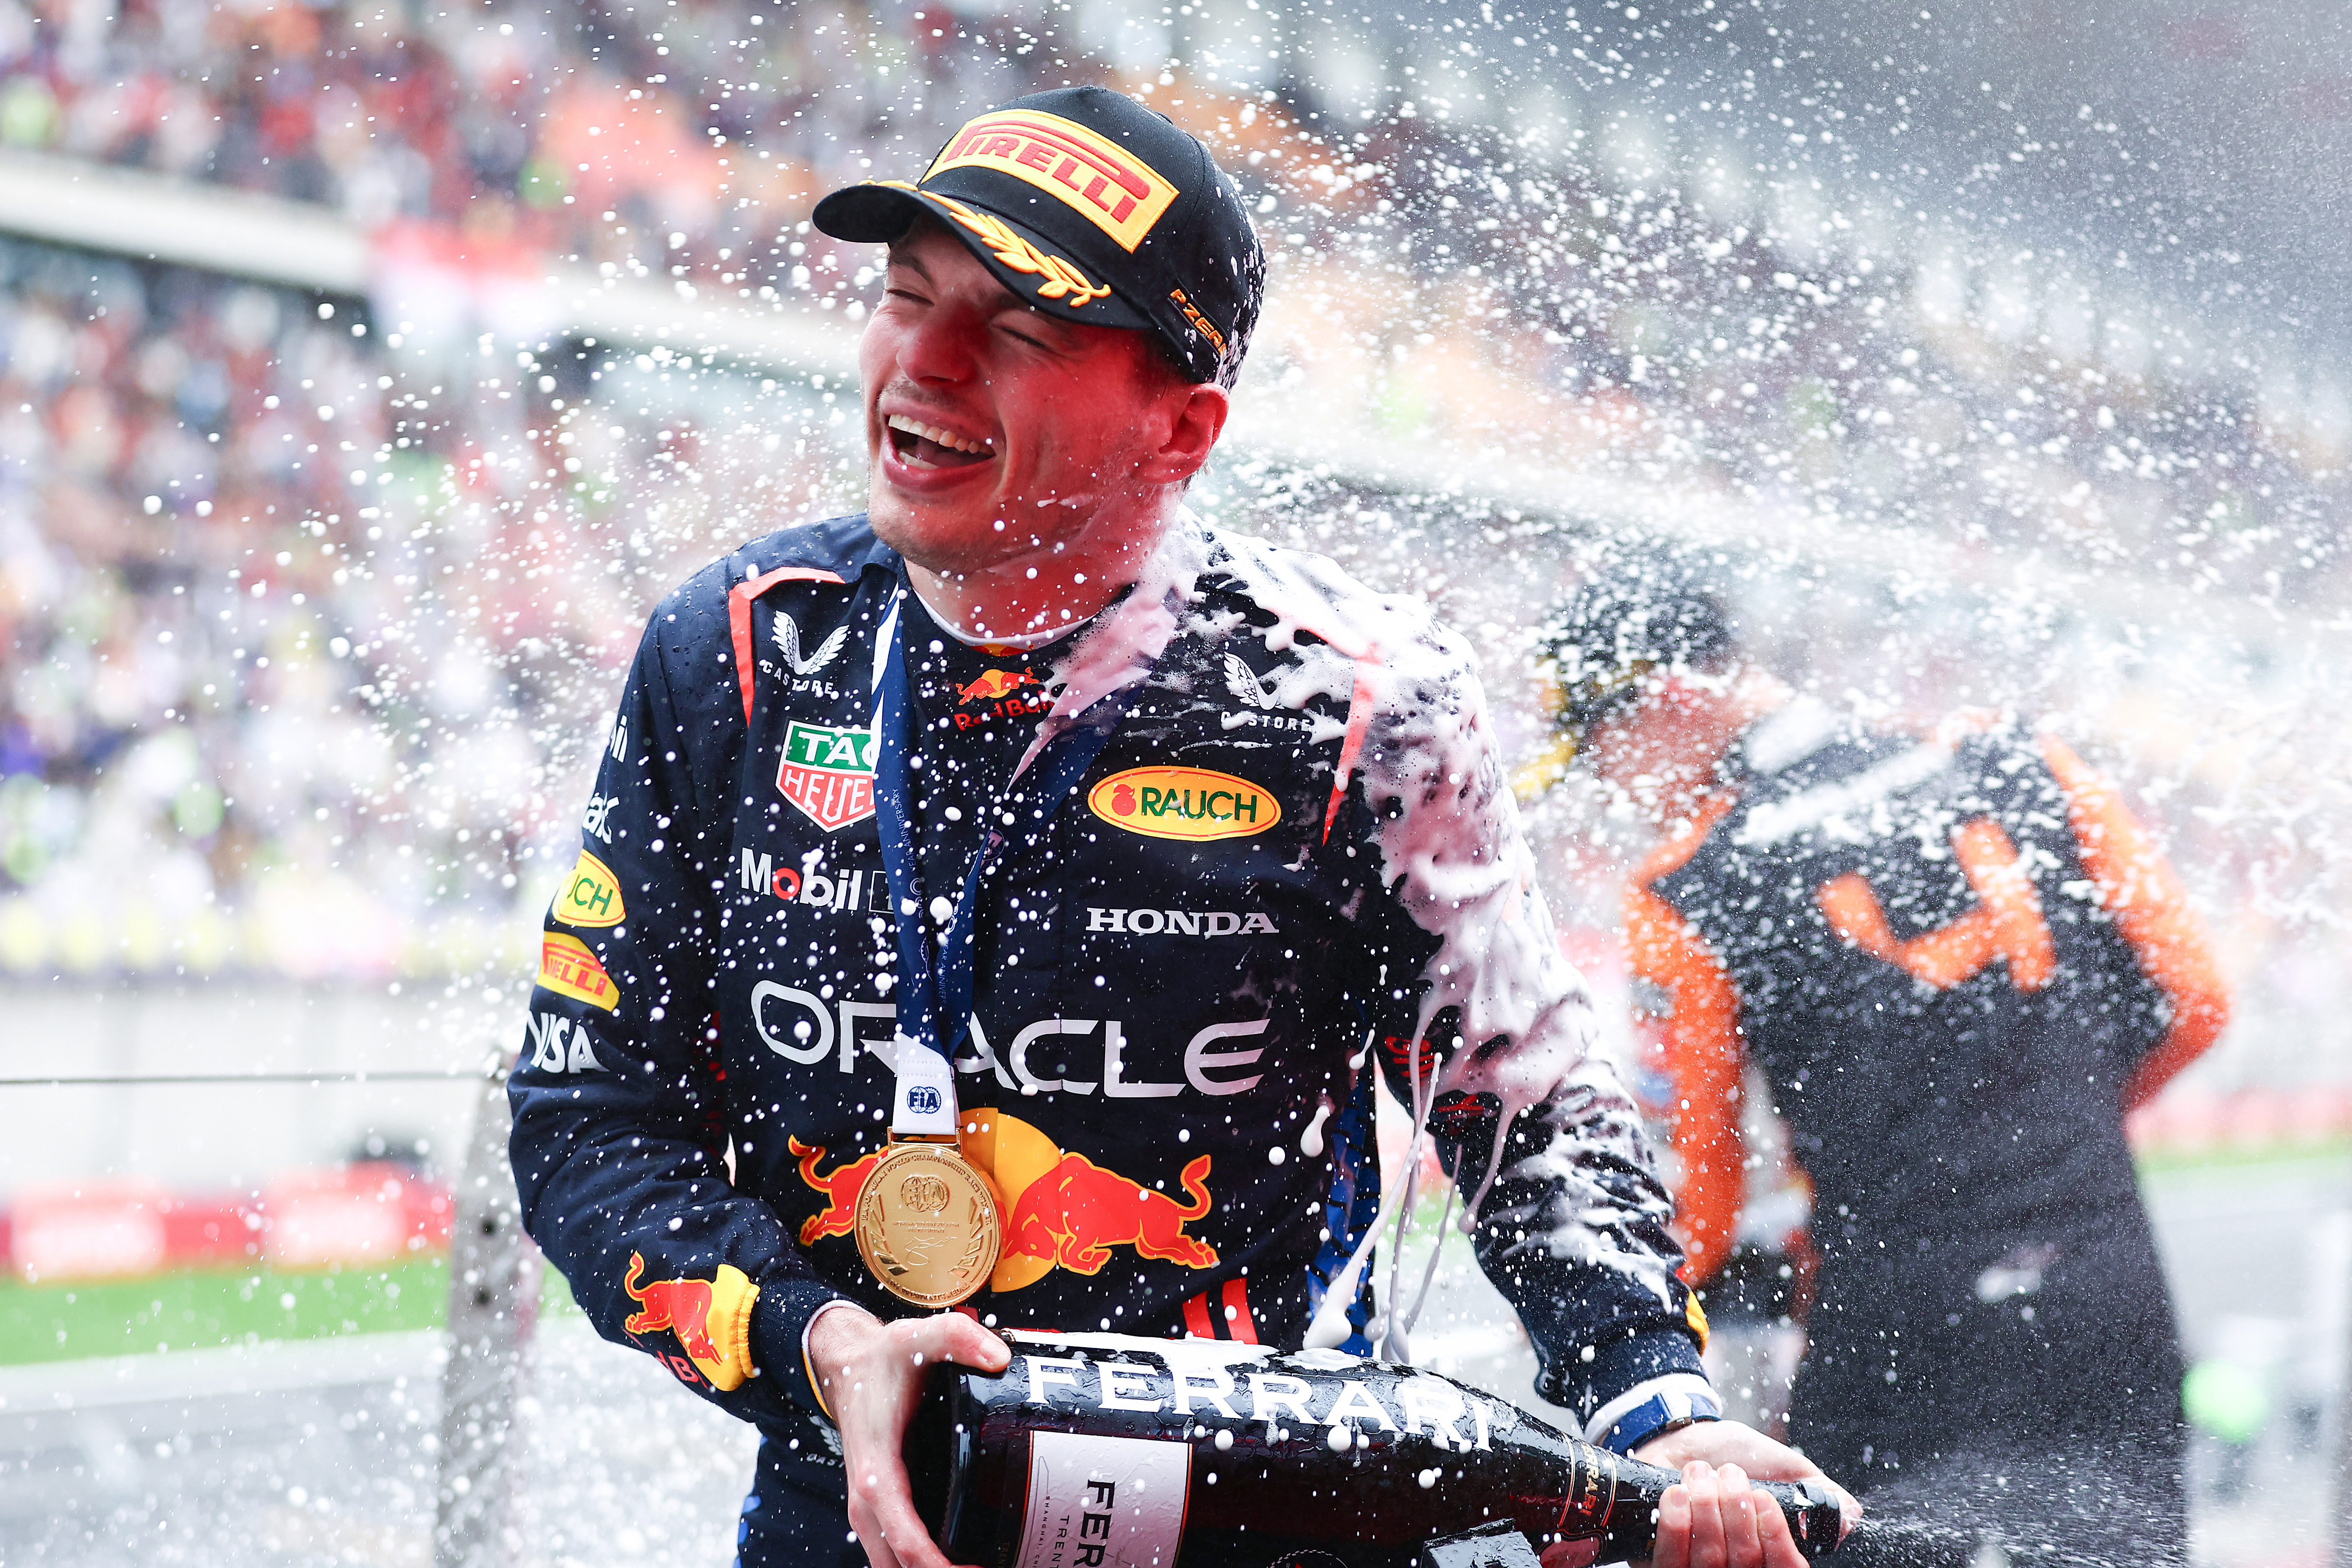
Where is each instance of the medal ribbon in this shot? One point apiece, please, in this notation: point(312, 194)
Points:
point(934, 999)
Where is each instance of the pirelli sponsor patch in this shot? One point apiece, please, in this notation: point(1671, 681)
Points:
point(1183, 803)
point(567, 968)
point(1104, 182)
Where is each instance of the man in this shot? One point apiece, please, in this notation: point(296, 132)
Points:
point(842, 783)
point(1957, 961)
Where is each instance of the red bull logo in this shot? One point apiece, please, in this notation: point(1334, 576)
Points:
point(994, 686)
point(1065, 1211)
point(840, 1186)
point(710, 1317)
point(1077, 1212)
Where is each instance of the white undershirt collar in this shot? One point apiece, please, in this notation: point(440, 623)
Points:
point(1025, 642)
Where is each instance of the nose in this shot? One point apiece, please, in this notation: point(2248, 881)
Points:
point(942, 347)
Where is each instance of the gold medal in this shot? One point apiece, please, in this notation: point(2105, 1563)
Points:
point(927, 1224)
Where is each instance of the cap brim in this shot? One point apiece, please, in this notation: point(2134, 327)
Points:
point(1017, 256)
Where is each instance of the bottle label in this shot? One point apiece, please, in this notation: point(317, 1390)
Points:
point(1104, 1502)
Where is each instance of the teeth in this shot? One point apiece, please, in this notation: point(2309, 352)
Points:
point(953, 443)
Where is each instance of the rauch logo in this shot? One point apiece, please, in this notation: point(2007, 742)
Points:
point(591, 895)
point(1183, 803)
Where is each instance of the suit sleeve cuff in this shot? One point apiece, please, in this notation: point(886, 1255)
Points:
point(1589, 1378)
point(1643, 1411)
point(781, 1319)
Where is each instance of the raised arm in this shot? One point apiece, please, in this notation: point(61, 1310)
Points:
point(1569, 1217)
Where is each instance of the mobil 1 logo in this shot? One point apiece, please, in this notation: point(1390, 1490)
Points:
point(869, 890)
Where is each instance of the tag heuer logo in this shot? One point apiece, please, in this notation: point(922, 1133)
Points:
point(828, 774)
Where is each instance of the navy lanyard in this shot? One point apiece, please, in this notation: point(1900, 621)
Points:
point(935, 1000)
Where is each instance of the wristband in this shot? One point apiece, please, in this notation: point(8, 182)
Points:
point(1654, 1410)
point(808, 1361)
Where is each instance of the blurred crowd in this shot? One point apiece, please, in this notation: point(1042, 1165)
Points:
point(175, 583)
point(293, 641)
point(307, 633)
point(579, 128)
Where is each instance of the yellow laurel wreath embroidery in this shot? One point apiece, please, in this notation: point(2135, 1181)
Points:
point(1060, 277)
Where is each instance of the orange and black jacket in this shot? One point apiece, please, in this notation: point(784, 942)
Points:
point(1957, 961)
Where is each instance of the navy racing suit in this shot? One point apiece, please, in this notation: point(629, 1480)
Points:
point(1180, 977)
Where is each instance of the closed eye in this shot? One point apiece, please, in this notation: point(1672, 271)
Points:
point(1039, 331)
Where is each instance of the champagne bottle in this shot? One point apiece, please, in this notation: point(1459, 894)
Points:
point(1105, 1451)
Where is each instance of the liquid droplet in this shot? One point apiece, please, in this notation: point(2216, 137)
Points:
point(1310, 1142)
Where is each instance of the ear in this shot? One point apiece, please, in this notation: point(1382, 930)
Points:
point(1196, 416)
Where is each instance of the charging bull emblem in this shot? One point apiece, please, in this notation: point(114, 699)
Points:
point(994, 684)
point(711, 1317)
point(1076, 1212)
point(840, 1186)
point(1065, 1211)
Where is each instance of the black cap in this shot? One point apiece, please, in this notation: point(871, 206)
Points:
point(1091, 207)
point(1619, 627)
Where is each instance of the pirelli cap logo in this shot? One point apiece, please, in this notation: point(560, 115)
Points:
point(591, 895)
point(567, 968)
point(828, 773)
point(1192, 314)
point(1112, 188)
point(1183, 803)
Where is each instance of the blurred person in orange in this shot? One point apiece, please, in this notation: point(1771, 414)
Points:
point(1955, 962)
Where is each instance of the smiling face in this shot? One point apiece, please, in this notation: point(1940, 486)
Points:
point(1003, 441)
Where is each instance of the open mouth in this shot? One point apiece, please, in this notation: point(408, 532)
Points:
point(922, 446)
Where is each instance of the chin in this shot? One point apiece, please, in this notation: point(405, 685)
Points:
point(938, 539)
